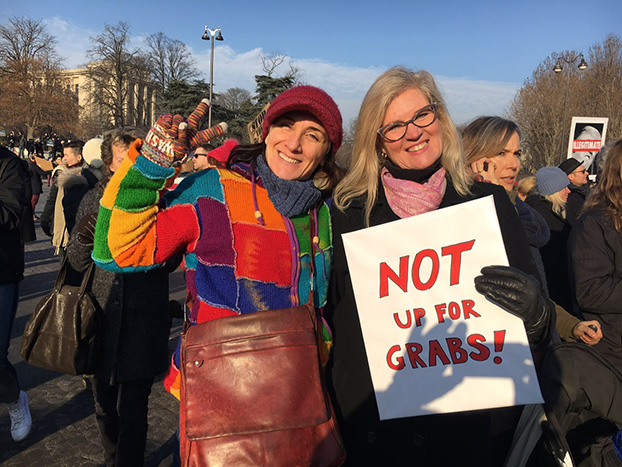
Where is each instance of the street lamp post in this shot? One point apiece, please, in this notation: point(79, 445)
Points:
point(210, 33)
point(558, 68)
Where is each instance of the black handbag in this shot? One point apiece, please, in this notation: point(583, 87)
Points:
point(61, 333)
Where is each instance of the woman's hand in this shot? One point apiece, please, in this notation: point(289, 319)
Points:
point(171, 138)
point(485, 168)
point(519, 294)
point(589, 332)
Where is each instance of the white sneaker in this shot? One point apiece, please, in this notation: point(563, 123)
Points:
point(21, 422)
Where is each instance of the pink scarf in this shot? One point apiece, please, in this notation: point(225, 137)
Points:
point(407, 198)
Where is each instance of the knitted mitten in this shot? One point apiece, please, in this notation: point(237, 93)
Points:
point(171, 138)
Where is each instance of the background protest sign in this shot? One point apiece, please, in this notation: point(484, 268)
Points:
point(587, 136)
point(433, 343)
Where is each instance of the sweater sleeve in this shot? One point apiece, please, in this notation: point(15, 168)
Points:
point(134, 231)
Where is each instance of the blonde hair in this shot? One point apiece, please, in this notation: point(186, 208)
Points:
point(608, 192)
point(559, 205)
point(526, 185)
point(487, 137)
point(363, 176)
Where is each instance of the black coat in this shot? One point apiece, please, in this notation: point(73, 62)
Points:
point(12, 202)
point(76, 183)
point(554, 253)
point(137, 322)
point(576, 199)
point(35, 177)
point(596, 259)
point(478, 438)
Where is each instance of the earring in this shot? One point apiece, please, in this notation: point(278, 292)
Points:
point(383, 154)
point(320, 180)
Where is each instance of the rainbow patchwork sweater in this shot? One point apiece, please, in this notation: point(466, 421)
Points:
point(234, 263)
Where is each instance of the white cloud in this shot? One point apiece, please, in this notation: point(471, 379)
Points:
point(466, 98)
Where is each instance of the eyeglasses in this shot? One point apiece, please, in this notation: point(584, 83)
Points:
point(397, 130)
point(582, 171)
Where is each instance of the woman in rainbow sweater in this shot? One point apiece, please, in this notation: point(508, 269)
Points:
point(244, 229)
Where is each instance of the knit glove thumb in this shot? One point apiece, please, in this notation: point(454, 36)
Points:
point(171, 138)
point(519, 294)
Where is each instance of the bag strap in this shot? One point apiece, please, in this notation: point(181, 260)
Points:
point(313, 237)
point(87, 278)
point(62, 274)
point(60, 277)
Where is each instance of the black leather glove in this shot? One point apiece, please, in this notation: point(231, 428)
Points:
point(85, 230)
point(519, 294)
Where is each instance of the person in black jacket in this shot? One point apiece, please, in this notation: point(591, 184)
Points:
point(134, 343)
point(405, 138)
point(552, 185)
point(74, 177)
point(36, 173)
point(12, 203)
point(579, 188)
point(595, 249)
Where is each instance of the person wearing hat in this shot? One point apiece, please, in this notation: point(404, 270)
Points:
point(206, 155)
point(550, 201)
point(133, 344)
point(579, 188)
point(243, 228)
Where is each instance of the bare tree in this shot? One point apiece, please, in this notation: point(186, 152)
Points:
point(271, 60)
point(114, 73)
point(32, 91)
point(169, 60)
point(233, 99)
point(538, 106)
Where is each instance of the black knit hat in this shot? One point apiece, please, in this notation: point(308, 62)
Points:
point(569, 165)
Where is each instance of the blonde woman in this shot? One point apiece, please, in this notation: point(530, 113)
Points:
point(552, 185)
point(407, 160)
point(526, 186)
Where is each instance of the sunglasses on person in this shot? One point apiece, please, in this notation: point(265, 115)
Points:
point(581, 171)
point(397, 130)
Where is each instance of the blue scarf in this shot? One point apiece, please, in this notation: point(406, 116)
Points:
point(290, 197)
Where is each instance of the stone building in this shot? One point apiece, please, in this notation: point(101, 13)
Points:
point(139, 99)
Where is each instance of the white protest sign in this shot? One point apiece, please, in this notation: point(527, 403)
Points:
point(433, 343)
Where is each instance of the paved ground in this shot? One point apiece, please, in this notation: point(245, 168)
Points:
point(64, 431)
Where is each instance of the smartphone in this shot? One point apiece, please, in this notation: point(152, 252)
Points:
point(485, 166)
point(592, 327)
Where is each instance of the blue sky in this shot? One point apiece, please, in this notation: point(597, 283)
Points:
point(480, 51)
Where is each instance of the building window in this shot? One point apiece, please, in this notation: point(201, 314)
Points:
point(77, 88)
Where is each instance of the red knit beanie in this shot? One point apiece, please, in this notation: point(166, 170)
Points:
point(221, 153)
point(307, 99)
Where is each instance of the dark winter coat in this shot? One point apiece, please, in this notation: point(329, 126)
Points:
point(554, 253)
point(12, 201)
point(35, 177)
point(576, 199)
point(137, 322)
point(479, 438)
point(596, 260)
point(76, 183)
point(538, 235)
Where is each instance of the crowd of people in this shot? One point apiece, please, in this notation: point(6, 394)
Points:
point(259, 227)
